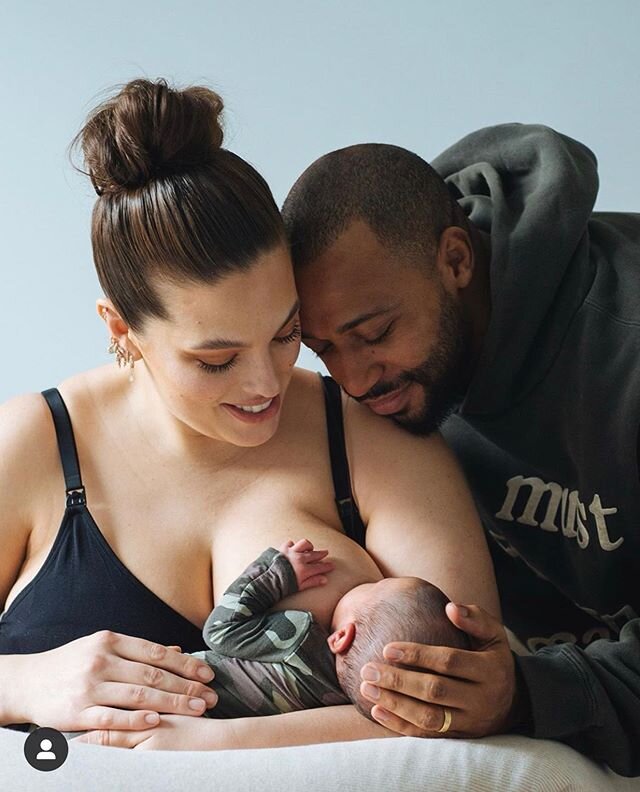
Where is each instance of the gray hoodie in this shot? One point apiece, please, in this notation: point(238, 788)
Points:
point(548, 431)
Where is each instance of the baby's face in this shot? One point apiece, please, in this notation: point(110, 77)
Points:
point(354, 600)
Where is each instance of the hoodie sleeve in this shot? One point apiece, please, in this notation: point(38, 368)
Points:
point(589, 698)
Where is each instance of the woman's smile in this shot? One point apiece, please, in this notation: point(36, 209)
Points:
point(257, 413)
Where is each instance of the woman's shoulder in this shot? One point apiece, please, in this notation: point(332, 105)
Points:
point(303, 420)
point(30, 457)
point(25, 426)
point(366, 433)
point(304, 394)
point(362, 425)
point(376, 445)
point(89, 390)
point(305, 379)
point(29, 463)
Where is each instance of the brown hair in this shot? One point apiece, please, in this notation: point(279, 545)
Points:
point(416, 615)
point(172, 203)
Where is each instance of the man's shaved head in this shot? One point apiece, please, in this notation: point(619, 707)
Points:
point(403, 200)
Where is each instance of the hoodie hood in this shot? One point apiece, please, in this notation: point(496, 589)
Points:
point(533, 190)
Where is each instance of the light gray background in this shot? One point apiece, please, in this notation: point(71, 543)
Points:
point(299, 78)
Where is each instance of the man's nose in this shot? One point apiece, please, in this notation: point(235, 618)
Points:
point(355, 374)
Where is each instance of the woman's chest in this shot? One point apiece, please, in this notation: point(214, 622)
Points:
point(188, 539)
point(244, 534)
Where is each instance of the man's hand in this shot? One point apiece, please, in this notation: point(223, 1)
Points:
point(307, 563)
point(477, 687)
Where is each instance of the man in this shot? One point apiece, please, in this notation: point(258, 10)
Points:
point(498, 307)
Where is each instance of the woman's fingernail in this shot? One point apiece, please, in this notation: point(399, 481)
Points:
point(152, 718)
point(380, 714)
point(394, 654)
point(463, 611)
point(371, 691)
point(205, 673)
point(197, 704)
point(370, 674)
point(211, 699)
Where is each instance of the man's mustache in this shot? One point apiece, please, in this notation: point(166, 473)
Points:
point(383, 388)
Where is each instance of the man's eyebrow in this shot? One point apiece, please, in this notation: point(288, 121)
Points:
point(353, 323)
point(226, 343)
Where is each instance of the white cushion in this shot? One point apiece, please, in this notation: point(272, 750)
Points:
point(404, 764)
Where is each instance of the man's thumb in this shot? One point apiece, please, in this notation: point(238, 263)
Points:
point(476, 622)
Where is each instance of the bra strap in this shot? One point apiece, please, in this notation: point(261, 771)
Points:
point(66, 447)
point(349, 515)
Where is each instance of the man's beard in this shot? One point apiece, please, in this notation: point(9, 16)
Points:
point(443, 377)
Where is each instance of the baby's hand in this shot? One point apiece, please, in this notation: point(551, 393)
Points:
point(307, 563)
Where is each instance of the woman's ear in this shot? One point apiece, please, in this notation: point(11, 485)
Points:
point(340, 641)
point(117, 327)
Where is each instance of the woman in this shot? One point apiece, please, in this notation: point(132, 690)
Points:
point(186, 469)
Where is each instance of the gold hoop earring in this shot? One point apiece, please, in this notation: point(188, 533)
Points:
point(123, 356)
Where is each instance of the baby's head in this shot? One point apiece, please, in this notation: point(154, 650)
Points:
point(374, 614)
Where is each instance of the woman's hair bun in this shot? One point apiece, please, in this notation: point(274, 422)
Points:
point(149, 130)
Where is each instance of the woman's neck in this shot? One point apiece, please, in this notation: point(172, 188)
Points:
point(167, 436)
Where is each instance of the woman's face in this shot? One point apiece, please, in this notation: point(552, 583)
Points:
point(223, 360)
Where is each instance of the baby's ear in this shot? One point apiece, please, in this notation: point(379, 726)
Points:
point(341, 640)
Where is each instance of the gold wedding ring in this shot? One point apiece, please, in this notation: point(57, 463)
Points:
point(447, 721)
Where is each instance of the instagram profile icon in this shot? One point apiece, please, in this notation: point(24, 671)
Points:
point(46, 749)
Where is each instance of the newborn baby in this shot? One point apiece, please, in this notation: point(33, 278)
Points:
point(269, 662)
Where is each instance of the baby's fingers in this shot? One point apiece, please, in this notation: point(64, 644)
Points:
point(315, 580)
point(302, 546)
point(310, 570)
point(312, 557)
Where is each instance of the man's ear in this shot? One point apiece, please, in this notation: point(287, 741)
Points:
point(340, 641)
point(455, 258)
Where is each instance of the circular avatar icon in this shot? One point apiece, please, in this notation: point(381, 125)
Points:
point(46, 749)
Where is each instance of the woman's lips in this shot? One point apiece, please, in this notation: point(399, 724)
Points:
point(390, 403)
point(251, 417)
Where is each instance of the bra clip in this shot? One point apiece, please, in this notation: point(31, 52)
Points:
point(76, 497)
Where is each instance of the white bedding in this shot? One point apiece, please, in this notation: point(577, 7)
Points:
point(406, 764)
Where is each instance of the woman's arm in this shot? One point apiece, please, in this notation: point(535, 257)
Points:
point(12, 676)
point(304, 727)
point(101, 678)
point(420, 515)
point(20, 464)
point(422, 521)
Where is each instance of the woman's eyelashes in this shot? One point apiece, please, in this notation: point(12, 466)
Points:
point(217, 368)
point(212, 368)
point(294, 335)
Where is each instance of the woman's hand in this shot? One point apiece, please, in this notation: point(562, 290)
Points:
point(477, 688)
point(173, 733)
point(109, 680)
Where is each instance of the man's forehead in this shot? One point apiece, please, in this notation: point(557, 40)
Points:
point(353, 278)
point(356, 247)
